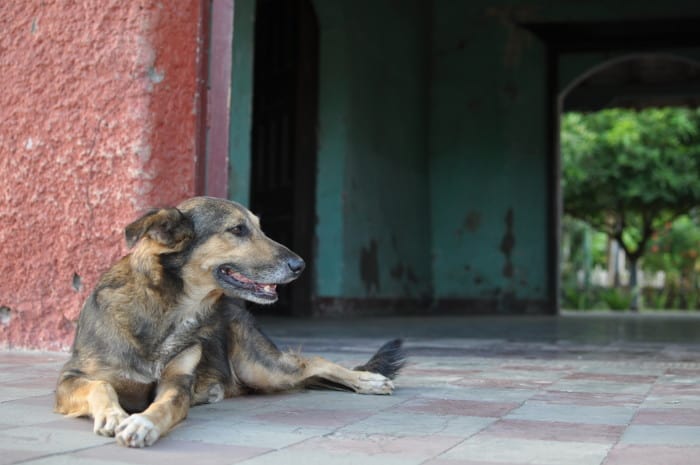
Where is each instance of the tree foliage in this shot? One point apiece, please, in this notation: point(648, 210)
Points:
point(628, 173)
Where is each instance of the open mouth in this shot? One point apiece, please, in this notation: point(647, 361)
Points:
point(267, 291)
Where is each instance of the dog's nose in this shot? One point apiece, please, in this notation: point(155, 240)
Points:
point(296, 264)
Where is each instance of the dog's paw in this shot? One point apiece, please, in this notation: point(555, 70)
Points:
point(373, 383)
point(107, 421)
point(215, 393)
point(137, 431)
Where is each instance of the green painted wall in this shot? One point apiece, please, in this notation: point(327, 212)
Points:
point(572, 67)
point(241, 100)
point(373, 230)
point(432, 165)
point(487, 157)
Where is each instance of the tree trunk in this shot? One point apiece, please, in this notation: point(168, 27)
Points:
point(634, 286)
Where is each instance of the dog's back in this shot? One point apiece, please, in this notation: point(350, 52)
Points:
point(165, 327)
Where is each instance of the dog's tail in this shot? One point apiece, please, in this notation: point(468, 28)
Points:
point(387, 361)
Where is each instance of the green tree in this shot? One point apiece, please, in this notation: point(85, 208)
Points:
point(627, 173)
point(675, 250)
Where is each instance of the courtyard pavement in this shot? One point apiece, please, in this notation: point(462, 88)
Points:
point(475, 392)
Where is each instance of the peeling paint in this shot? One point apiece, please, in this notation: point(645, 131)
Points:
point(154, 75)
point(77, 282)
point(472, 221)
point(5, 315)
point(411, 275)
point(508, 244)
point(369, 267)
point(518, 39)
point(397, 272)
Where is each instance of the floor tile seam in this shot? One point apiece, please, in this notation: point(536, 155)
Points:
point(24, 397)
point(631, 421)
point(57, 454)
point(340, 427)
point(479, 431)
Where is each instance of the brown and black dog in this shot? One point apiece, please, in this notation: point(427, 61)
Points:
point(166, 327)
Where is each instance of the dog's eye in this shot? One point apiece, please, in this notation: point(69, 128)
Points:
point(239, 230)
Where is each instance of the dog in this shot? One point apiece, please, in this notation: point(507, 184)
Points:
point(166, 327)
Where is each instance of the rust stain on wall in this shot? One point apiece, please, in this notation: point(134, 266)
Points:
point(369, 267)
point(471, 223)
point(518, 39)
point(508, 244)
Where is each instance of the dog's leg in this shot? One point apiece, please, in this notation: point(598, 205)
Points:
point(172, 402)
point(78, 396)
point(258, 364)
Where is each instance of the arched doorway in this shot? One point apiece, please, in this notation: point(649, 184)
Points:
point(636, 82)
point(283, 134)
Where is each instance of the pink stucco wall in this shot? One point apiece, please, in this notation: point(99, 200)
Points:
point(98, 116)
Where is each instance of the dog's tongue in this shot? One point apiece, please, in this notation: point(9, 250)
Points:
point(243, 279)
point(269, 288)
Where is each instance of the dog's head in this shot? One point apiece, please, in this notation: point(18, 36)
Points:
point(229, 252)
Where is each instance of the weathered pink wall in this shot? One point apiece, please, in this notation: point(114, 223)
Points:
point(98, 116)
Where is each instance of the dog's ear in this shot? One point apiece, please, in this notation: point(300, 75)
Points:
point(165, 226)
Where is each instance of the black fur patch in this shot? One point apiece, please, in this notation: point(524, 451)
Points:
point(387, 361)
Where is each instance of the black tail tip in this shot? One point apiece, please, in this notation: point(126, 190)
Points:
point(387, 361)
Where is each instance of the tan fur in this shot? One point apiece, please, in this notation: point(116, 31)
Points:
point(165, 327)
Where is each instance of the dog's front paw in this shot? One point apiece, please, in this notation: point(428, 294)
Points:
point(373, 383)
point(107, 421)
point(137, 431)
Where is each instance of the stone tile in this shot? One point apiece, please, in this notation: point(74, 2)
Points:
point(554, 431)
point(415, 448)
point(674, 402)
point(627, 454)
point(503, 383)
point(246, 433)
point(481, 394)
point(332, 400)
point(173, 452)
point(314, 457)
point(19, 413)
point(9, 456)
point(589, 398)
point(9, 393)
point(670, 416)
point(543, 411)
point(669, 435)
point(508, 450)
point(458, 407)
point(592, 385)
point(437, 373)
point(325, 418)
point(676, 389)
point(428, 381)
point(550, 366)
point(613, 377)
point(416, 424)
point(47, 439)
point(45, 401)
point(68, 459)
point(540, 375)
point(441, 461)
point(617, 368)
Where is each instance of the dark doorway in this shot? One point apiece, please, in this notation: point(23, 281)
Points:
point(285, 106)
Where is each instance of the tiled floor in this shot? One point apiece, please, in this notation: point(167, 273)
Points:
point(460, 401)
